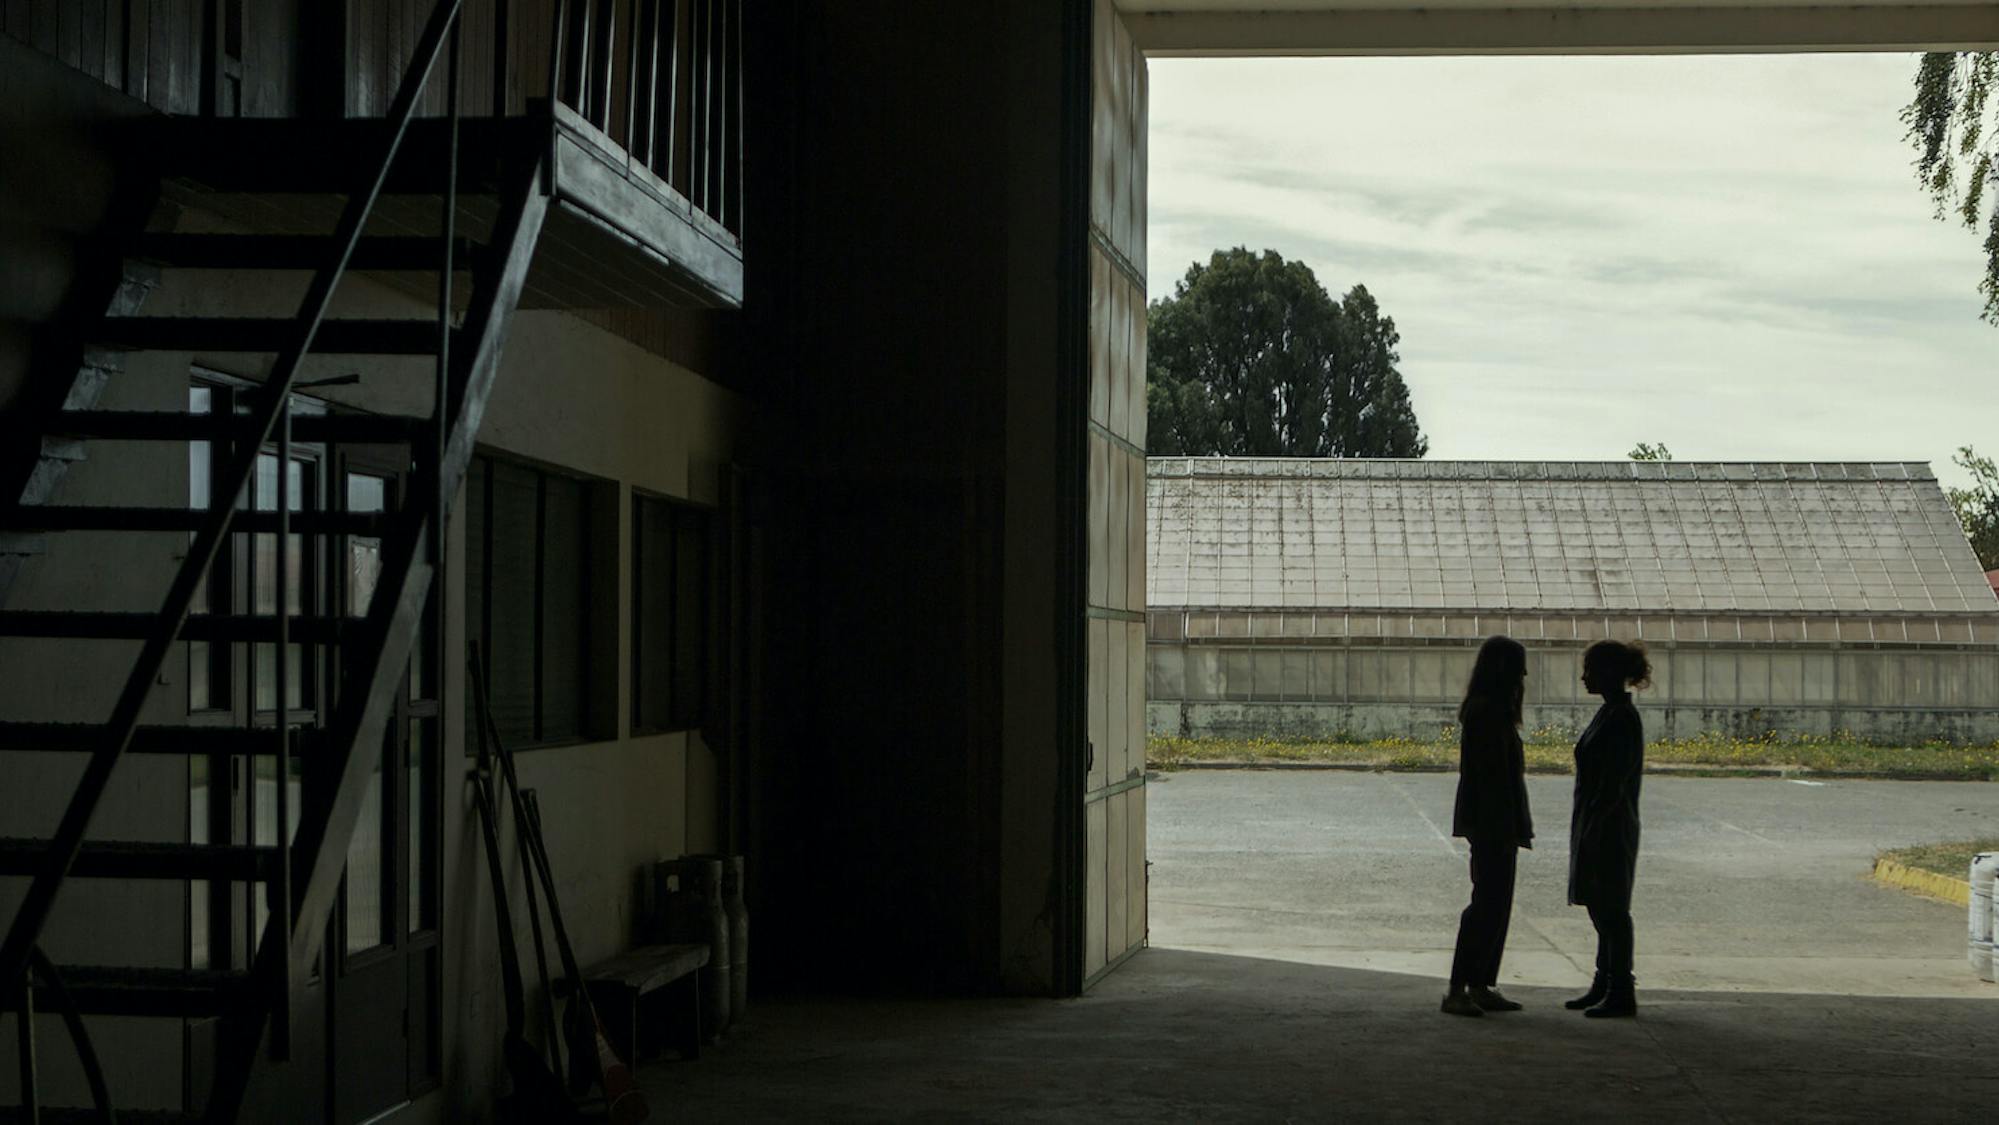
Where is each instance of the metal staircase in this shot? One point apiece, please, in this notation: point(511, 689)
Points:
point(300, 879)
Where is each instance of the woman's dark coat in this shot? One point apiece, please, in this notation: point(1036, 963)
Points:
point(1603, 828)
point(1492, 779)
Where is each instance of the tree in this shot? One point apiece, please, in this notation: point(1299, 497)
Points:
point(1646, 451)
point(1978, 506)
point(1954, 124)
point(1251, 357)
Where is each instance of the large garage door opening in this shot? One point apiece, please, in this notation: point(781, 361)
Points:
point(1684, 358)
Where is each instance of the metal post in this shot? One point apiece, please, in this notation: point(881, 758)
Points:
point(502, 56)
point(632, 79)
point(277, 893)
point(30, 1098)
point(556, 46)
point(441, 381)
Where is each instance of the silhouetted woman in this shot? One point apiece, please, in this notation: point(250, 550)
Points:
point(1492, 816)
point(1603, 828)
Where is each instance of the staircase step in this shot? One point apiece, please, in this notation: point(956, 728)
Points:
point(173, 425)
point(86, 737)
point(82, 1115)
point(77, 517)
point(266, 334)
point(138, 626)
point(127, 859)
point(288, 155)
point(116, 990)
point(301, 252)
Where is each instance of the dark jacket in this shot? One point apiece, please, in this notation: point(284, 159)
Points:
point(1492, 780)
point(1603, 827)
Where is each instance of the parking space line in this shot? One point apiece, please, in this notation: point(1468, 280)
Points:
point(1693, 812)
point(1450, 844)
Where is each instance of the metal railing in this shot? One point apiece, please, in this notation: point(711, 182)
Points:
point(267, 421)
point(663, 79)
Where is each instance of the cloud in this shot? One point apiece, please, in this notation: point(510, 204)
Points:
point(1729, 254)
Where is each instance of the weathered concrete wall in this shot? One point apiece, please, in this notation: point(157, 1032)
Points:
point(1114, 799)
point(1875, 694)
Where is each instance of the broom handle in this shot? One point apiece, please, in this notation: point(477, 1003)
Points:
point(488, 729)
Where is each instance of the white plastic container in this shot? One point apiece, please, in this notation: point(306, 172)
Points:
point(1984, 867)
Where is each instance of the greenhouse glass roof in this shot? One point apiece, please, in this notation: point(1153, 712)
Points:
point(1556, 535)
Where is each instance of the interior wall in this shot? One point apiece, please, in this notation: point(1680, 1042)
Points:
point(905, 319)
point(573, 396)
point(570, 395)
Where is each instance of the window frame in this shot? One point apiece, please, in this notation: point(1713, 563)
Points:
point(596, 645)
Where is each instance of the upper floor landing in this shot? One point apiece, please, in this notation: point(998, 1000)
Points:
point(265, 113)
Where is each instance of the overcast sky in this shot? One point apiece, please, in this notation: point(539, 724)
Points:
point(1726, 254)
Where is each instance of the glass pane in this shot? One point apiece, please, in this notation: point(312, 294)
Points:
point(690, 618)
point(513, 533)
point(266, 664)
point(475, 589)
point(267, 817)
point(265, 485)
point(419, 820)
point(199, 697)
point(197, 890)
point(652, 615)
point(264, 571)
point(564, 609)
point(199, 482)
point(365, 493)
point(365, 922)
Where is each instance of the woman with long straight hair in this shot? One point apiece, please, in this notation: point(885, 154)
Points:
point(1603, 827)
point(1492, 815)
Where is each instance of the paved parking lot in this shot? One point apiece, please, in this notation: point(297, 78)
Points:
point(1313, 913)
point(1743, 884)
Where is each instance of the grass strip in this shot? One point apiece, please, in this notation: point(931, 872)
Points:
point(1553, 752)
point(1952, 859)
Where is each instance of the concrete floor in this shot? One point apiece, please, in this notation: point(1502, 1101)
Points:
point(1328, 900)
point(1757, 884)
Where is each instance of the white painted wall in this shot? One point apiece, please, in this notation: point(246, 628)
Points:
point(570, 395)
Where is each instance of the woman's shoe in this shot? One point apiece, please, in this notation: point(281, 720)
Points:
point(1490, 999)
point(1598, 989)
point(1620, 1002)
point(1461, 1004)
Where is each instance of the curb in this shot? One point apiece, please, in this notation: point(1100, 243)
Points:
point(1929, 884)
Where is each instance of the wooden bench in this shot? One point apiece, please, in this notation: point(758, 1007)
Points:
point(640, 994)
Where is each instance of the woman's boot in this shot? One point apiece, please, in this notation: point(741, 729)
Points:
point(1598, 989)
point(1458, 1002)
point(1620, 1002)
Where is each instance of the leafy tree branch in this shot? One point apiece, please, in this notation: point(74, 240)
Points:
point(1953, 123)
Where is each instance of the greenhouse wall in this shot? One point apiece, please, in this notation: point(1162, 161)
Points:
point(1866, 678)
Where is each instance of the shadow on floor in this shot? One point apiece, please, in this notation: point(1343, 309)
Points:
point(1184, 1036)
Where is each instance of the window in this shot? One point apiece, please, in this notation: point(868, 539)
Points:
point(244, 577)
point(528, 588)
point(670, 614)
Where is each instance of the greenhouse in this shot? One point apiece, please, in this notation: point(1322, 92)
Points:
point(1345, 598)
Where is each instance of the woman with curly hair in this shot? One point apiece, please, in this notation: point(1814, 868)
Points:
point(1603, 828)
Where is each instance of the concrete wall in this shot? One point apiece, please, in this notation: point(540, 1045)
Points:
point(1114, 798)
point(1377, 690)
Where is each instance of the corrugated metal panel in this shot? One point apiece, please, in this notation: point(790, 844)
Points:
point(1499, 535)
